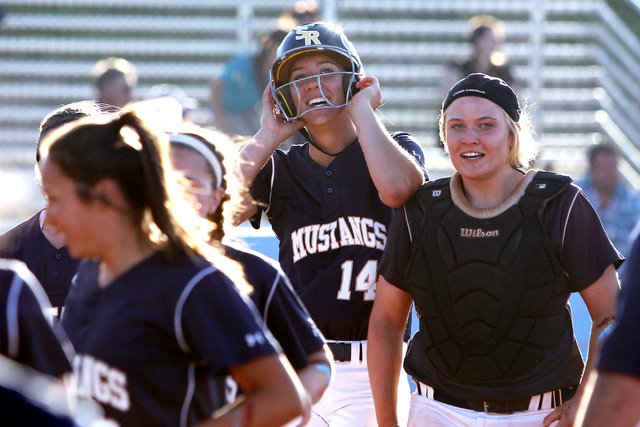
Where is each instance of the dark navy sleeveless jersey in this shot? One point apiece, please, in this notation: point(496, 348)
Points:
point(148, 343)
point(26, 327)
point(53, 267)
point(332, 228)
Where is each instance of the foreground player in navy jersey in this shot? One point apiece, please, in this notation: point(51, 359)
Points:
point(26, 323)
point(40, 247)
point(153, 314)
point(329, 200)
point(490, 256)
point(611, 396)
point(34, 354)
point(200, 155)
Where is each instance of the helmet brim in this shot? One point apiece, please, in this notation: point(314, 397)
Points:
point(281, 70)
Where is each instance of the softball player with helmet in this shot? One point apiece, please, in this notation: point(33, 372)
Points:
point(200, 155)
point(330, 199)
point(152, 312)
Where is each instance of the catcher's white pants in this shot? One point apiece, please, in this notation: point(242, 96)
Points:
point(428, 412)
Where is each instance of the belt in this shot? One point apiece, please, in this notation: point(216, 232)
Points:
point(342, 351)
point(548, 400)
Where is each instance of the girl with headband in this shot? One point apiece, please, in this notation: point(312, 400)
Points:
point(200, 156)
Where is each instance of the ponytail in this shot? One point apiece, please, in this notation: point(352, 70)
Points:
point(128, 151)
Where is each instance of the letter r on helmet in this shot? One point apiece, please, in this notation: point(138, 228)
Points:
point(309, 36)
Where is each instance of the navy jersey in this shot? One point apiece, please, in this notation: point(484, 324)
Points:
point(26, 326)
point(148, 343)
point(31, 398)
point(53, 267)
point(576, 235)
point(281, 310)
point(621, 350)
point(19, 411)
point(332, 228)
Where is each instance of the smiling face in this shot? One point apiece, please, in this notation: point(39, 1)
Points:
point(478, 138)
point(67, 214)
point(315, 85)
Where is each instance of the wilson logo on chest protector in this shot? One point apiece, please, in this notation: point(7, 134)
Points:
point(478, 233)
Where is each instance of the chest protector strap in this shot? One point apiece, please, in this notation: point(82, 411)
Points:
point(489, 292)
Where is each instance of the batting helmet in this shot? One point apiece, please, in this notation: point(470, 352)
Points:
point(313, 38)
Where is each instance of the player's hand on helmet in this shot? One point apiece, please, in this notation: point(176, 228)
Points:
point(565, 414)
point(369, 93)
point(273, 123)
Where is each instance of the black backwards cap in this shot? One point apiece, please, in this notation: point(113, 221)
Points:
point(483, 86)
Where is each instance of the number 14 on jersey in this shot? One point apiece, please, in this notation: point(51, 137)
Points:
point(365, 280)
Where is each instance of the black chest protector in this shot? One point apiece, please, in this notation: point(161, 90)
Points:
point(490, 293)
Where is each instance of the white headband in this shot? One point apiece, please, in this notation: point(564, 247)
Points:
point(201, 148)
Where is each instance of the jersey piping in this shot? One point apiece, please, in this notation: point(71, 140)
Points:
point(22, 276)
point(566, 220)
point(13, 327)
point(273, 178)
point(177, 318)
point(272, 291)
point(406, 221)
point(191, 387)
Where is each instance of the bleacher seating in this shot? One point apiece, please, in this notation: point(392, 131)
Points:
point(562, 54)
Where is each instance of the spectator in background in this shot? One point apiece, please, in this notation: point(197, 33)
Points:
point(616, 383)
point(617, 205)
point(188, 104)
point(486, 34)
point(302, 12)
point(41, 247)
point(115, 80)
point(236, 96)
